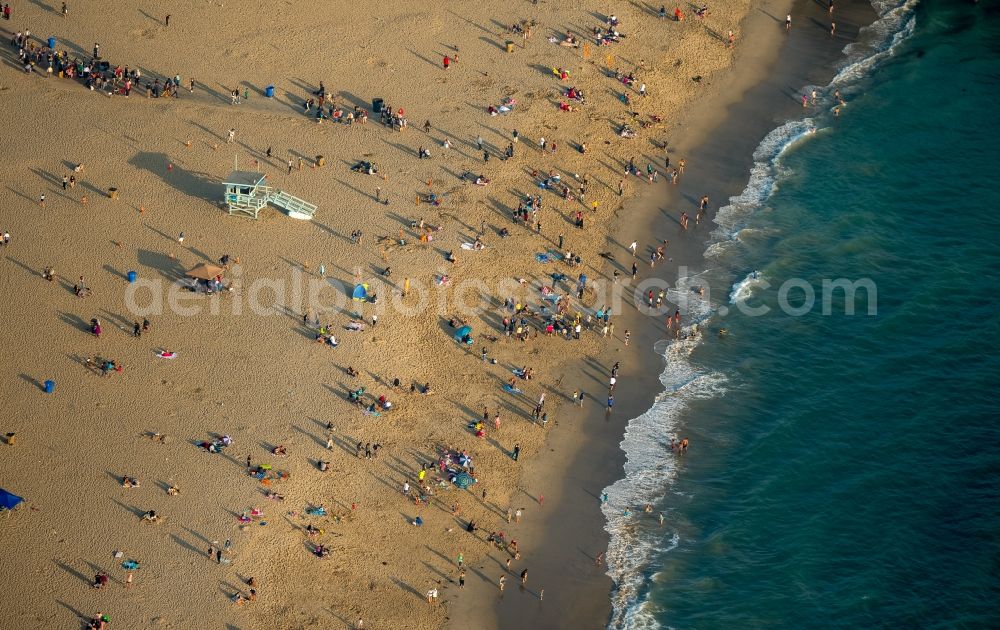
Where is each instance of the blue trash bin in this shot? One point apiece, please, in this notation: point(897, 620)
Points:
point(52, 43)
point(132, 276)
point(49, 386)
point(269, 91)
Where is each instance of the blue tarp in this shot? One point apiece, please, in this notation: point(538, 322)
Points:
point(9, 501)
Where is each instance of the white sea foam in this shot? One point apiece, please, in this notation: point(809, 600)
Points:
point(650, 467)
point(878, 40)
point(650, 463)
point(744, 288)
point(764, 175)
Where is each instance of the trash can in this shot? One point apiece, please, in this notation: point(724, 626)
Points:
point(510, 46)
point(269, 91)
point(131, 276)
point(49, 386)
point(377, 104)
point(113, 193)
point(52, 43)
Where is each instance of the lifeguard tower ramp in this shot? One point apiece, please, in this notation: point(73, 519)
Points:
point(247, 193)
point(295, 207)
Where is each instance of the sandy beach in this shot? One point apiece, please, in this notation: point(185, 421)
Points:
point(247, 363)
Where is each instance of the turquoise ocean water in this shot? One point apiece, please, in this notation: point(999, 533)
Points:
point(844, 469)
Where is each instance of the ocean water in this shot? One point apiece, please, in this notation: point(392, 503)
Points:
point(844, 469)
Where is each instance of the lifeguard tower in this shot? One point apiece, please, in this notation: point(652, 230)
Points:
point(247, 193)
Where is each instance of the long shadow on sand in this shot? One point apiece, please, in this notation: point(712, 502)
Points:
point(191, 183)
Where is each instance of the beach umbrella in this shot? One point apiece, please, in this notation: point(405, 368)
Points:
point(205, 271)
point(8, 500)
point(463, 480)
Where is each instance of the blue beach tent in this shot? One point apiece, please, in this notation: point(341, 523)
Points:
point(464, 335)
point(9, 501)
point(360, 292)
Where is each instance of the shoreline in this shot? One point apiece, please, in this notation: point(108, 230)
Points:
point(759, 94)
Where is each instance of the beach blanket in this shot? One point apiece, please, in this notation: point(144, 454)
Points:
point(542, 258)
point(165, 354)
point(510, 389)
point(472, 247)
point(130, 564)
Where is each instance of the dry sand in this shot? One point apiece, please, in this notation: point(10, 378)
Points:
point(258, 376)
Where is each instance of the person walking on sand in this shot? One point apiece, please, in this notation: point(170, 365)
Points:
point(524, 577)
point(628, 336)
point(232, 136)
point(788, 22)
point(289, 166)
point(501, 582)
point(732, 40)
point(41, 200)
